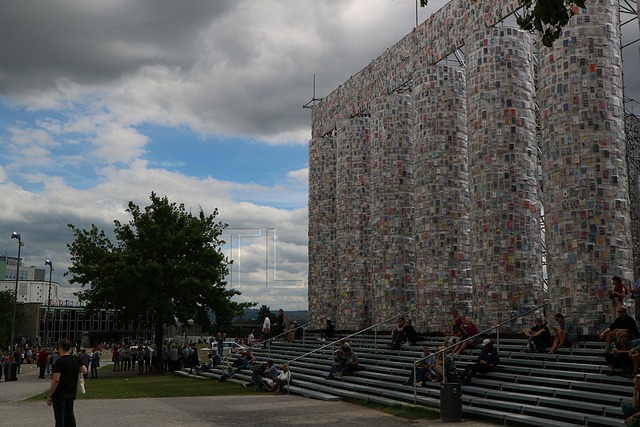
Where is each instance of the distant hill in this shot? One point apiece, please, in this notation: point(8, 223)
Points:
point(252, 314)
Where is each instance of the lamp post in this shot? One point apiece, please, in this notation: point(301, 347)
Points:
point(15, 235)
point(189, 322)
point(46, 317)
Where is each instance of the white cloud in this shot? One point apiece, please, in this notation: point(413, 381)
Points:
point(117, 144)
point(301, 175)
point(95, 74)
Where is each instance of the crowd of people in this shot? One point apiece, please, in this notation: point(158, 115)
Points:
point(622, 355)
point(44, 357)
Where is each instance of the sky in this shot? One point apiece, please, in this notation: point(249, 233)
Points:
point(102, 103)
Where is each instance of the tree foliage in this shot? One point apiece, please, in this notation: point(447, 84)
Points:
point(547, 17)
point(166, 265)
point(265, 310)
point(6, 312)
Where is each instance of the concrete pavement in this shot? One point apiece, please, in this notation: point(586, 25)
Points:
point(261, 410)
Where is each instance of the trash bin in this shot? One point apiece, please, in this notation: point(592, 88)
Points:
point(451, 402)
point(11, 371)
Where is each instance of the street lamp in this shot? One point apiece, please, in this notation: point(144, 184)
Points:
point(15, 235)
point(46, 317)
point(190, 322)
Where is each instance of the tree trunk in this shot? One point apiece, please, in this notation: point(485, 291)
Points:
point(157, 367)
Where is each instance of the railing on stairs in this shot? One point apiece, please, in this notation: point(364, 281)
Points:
point(444, 350)
point(344, 338)
point(267, 342)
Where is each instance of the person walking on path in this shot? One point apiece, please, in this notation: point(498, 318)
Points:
point(95, 363)
point(85, 360)
point(62, 392)
point(43, 358)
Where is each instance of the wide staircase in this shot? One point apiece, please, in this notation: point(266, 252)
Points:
point(564, 389)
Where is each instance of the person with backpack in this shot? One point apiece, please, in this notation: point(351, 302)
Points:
point(126, 359)
point(95, 363)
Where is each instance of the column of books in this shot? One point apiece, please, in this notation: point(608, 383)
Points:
point(322, 228)
point(585, 171)
point(441, 195)
point(353, 231)
point(504, 209)
point(391, 191)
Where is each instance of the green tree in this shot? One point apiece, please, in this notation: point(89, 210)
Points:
point(167, 265)
point(264, 311)
point(547, 17)
point(6, 311)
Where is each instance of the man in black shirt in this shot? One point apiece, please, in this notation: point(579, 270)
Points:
point(62, 392)
point(329, 332)
point(487, 361)
point(539, 336)
point(623, 321)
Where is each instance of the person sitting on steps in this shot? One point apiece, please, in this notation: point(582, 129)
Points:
point(539, 336)
point(623, 321)
point(618, 355)
point(566, 334)
point(329, 331)
point(339, 359)
point(487, 362)
point(455, 335)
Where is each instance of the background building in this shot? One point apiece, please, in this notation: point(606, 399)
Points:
point(33, 283)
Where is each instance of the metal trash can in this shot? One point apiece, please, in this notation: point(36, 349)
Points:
point(11, 371)
point(451, 402)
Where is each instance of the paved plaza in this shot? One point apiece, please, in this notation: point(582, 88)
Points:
point(263, 410)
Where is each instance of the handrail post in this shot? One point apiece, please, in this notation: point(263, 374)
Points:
point(344, 338)
point(443, 351)
point(375, 336)
point(415, 387)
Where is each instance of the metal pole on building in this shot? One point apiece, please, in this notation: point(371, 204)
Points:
point(15, 235)
point(46, 316)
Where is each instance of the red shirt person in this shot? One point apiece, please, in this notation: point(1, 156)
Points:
point(43, 358)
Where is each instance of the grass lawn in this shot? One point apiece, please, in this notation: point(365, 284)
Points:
point(163, 385)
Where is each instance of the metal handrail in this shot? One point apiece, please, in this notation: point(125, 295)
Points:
point(267, 342)
point(444, 370)
point(344, 338)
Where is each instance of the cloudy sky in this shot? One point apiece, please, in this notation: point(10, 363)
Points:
point(102, 102)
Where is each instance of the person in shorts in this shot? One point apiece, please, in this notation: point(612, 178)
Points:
point(566, 334)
